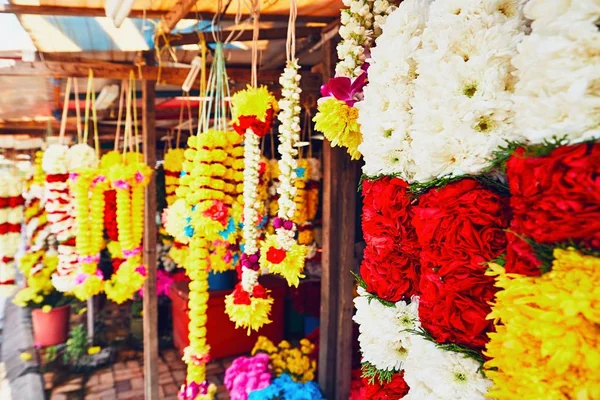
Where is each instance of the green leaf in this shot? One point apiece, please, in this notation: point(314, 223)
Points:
point(359, 280)
point(475, 355)
point(371, 372)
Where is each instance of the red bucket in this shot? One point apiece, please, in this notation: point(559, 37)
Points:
point(51, 328)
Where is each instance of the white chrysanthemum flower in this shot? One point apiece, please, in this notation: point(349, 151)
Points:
point(384, 113)
point(462, 107)
point(432, 373)
point(56, 159)
point(558, 88)
point(82, 156)
point(385, 340)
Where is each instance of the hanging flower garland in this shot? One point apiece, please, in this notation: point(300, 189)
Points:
point(60, 213)
point(253, 113)
point(280, 253)
point(173, 165)
point(36, 219)
point(11, 218)
point(337, 117)
point(87, 189)
point(129, 181)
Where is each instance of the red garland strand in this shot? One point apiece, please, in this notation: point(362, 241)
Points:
point(390, 265)
point(562, 190)
point(460, 227)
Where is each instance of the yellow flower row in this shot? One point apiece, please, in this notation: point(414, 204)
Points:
point(547, 340)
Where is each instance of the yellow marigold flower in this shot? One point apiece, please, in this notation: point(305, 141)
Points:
point(547, 344)
point(339, 124)
point(94, 350)
point(25, 356)
point(252, 101)
point(47, 308)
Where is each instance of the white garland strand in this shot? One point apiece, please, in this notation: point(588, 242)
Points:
point(289, 136)
point(558, 94)
point(360, 23)
point(10, 187)
point(251, 203)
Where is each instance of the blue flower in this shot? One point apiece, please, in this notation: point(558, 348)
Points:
point(300, 171)
point(189, 231)
point(225, 233)
point(183, 173)
point(285, 388)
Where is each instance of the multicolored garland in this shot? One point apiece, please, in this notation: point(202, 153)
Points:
point(11, 218)
point(59, 208)
point(129, 180)
point(280, 253)
point(253, 112)
point(88, 187)
point(337, 118)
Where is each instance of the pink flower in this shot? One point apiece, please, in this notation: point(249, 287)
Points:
point(247, 374)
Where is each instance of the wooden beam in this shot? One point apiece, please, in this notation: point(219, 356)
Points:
point(150, 238)
point(246, 36)
point(177, 12)
point(103, 69)
point(303, 45)
point(153, 14)
point(340, 176)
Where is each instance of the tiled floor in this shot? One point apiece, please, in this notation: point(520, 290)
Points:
point(125, 379)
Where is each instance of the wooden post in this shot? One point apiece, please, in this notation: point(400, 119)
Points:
point(339, 224)
point(150, 237)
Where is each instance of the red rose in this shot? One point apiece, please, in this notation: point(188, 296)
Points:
point(259, 127)
point(390, 264)
point(260, 292)
point(275, 256)
point(459, 227)
point(394, 390)
point(556, 198)
point(240, 296)
point(520, 257)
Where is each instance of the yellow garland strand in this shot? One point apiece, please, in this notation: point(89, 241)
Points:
point(547, 344)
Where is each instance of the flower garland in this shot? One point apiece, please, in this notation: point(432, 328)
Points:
point(173, 165)
point(36, 219)
point(306, 230)
point(55, 163)
point(37, 267)
point(280, 253)
point(202, 216)
point(253, 112)
point(361, 23)
point(555, 93)
point(87, 188)
point(11, 218)
point(129, 181)
point(337, 117)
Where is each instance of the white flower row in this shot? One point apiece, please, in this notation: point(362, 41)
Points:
point(360, 23)
point(558, 71)
point(439, 99)
point(386, 341)
point(251, 203)
point(289, 136)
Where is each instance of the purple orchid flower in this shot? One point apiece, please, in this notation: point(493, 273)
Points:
point(346, 89)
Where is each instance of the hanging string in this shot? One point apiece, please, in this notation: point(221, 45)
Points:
point(134, 109)
point(88, 104)
point(63, 121)
point(255, 35)
point(127, 132)
point(77, 110)
point(120, 114)
point(290, 43)
point(95, 119)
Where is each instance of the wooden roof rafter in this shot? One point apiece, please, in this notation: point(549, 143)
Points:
point(153, 14)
